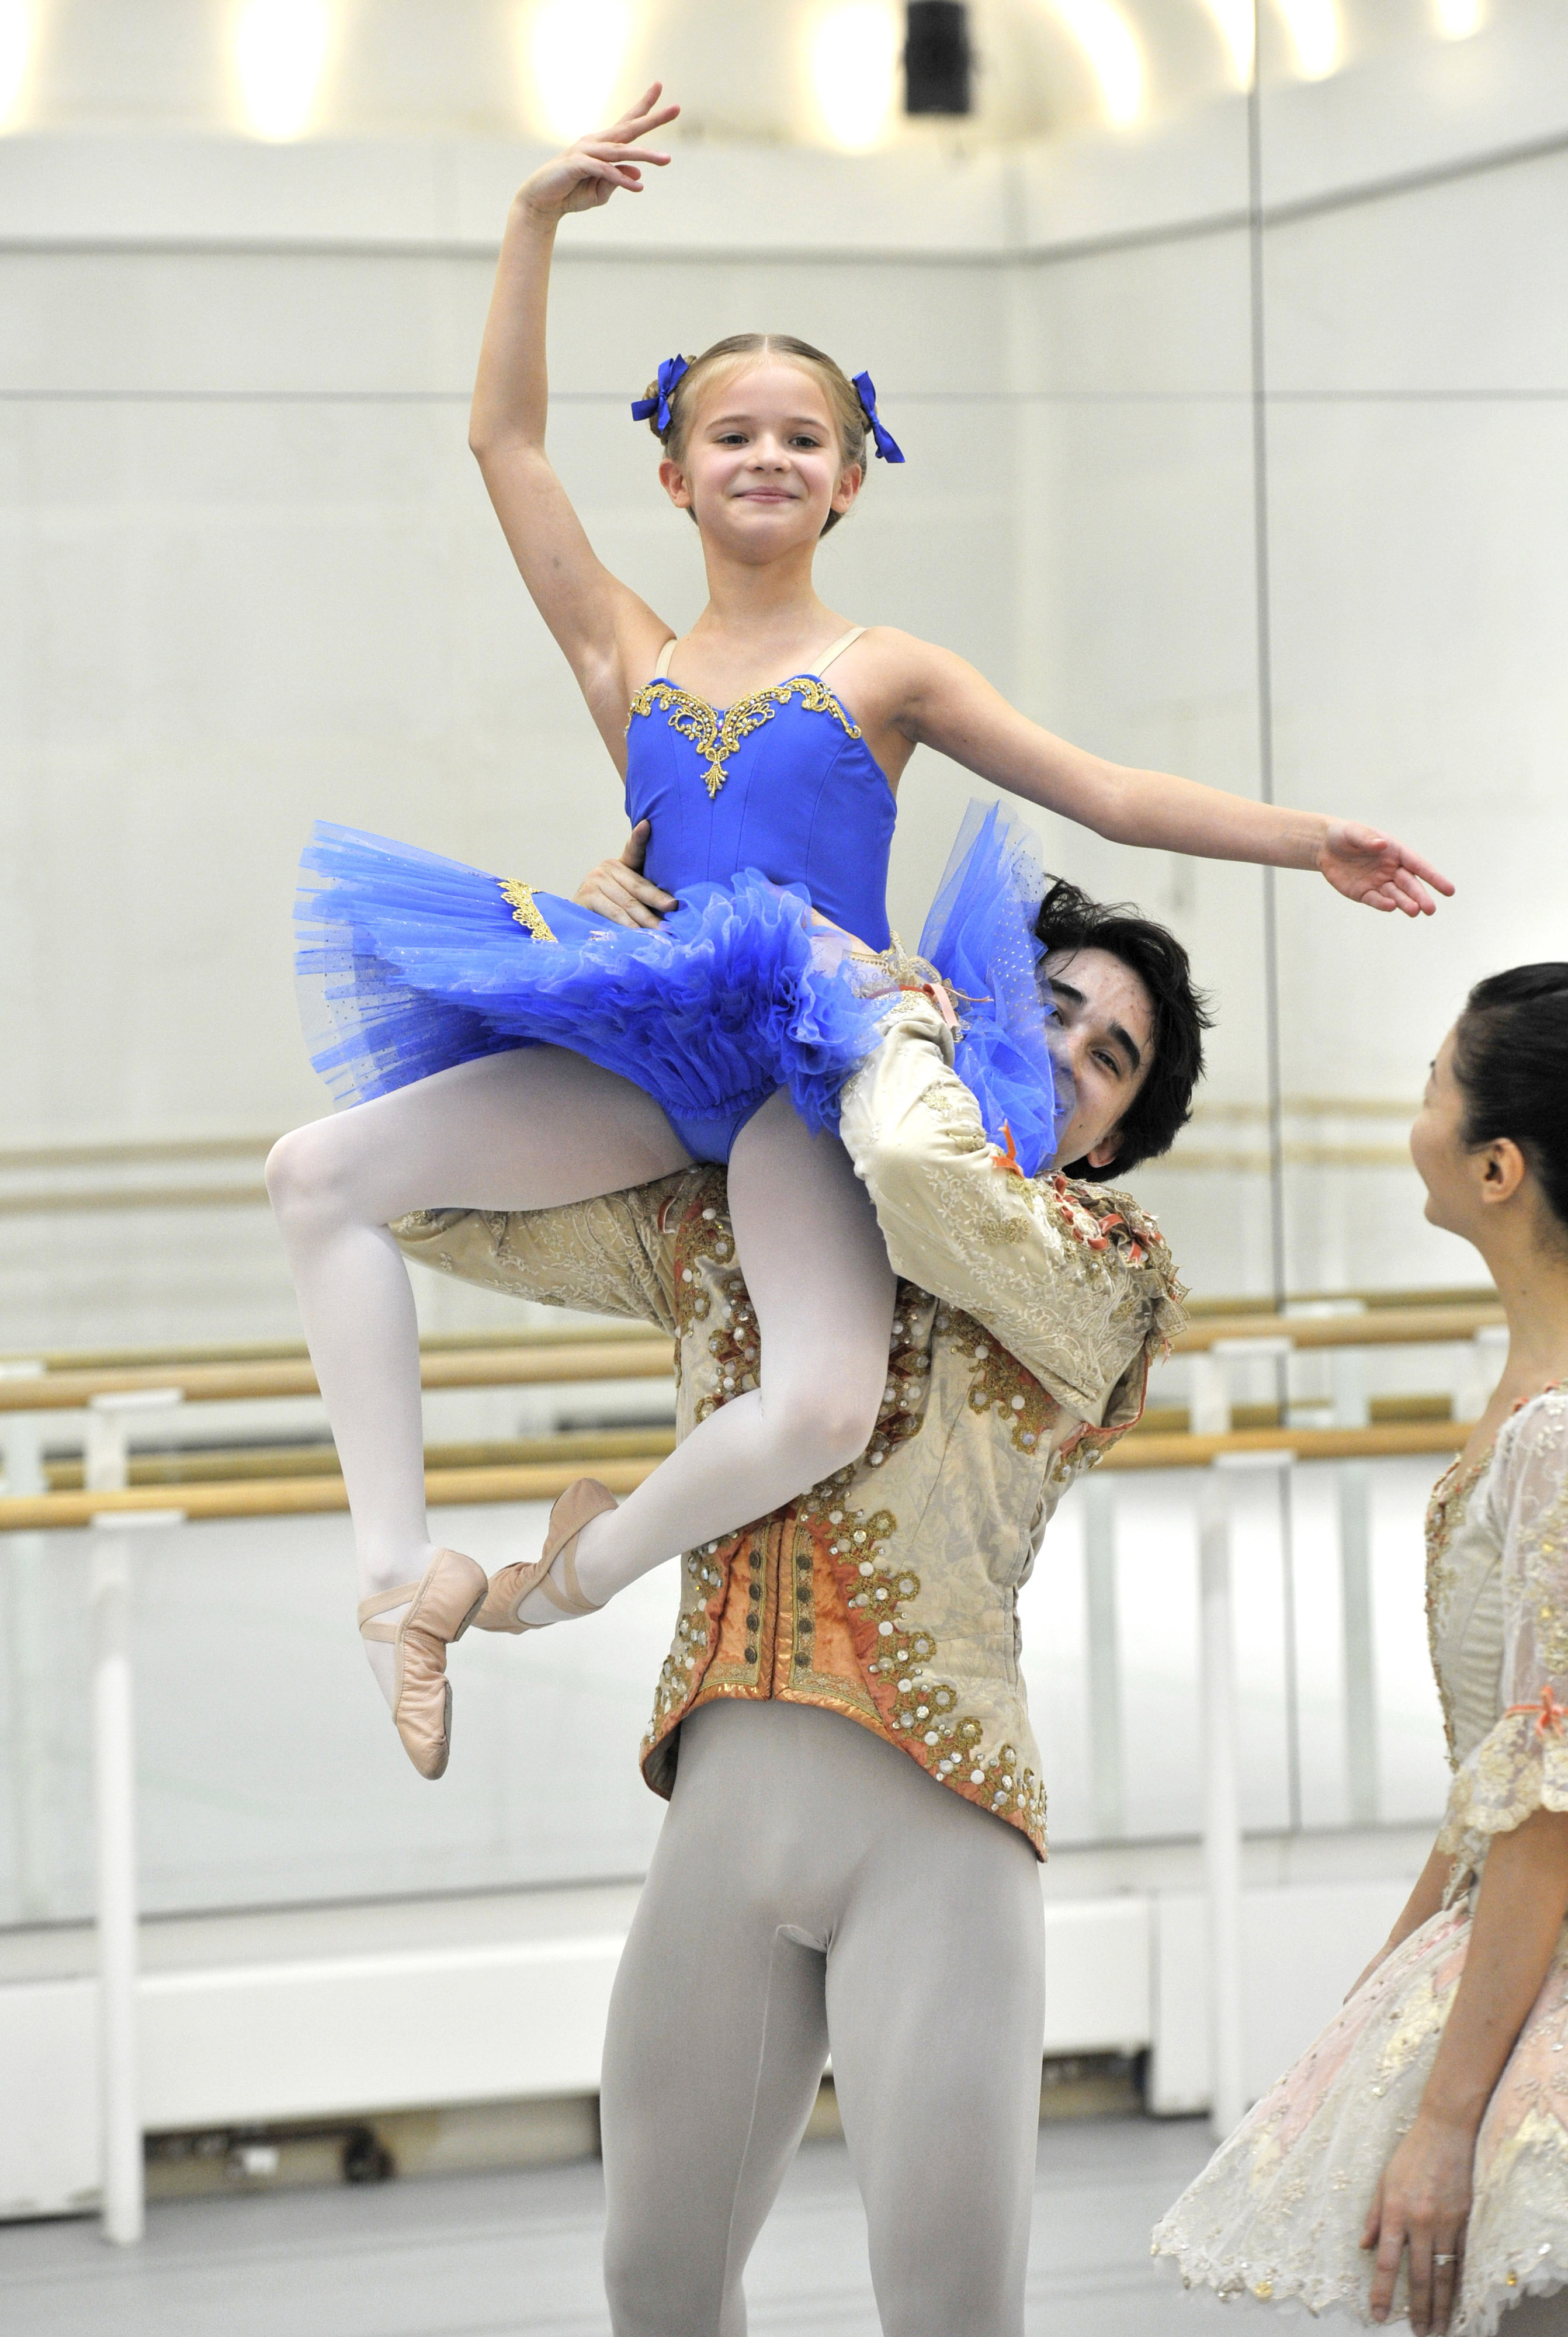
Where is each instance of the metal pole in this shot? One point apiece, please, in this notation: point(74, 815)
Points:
point(1208, 1393)
point(114, 1808)
point(1352, 1409)
point(114, 1813)
point(1221, 1787)
point(31, 1672)
point(1221, 1804)
point(1104, 1657)
point(115, 1846)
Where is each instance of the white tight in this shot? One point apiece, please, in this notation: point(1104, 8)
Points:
point(534, 1130)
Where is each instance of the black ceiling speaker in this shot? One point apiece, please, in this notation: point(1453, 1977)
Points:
point(938, 62)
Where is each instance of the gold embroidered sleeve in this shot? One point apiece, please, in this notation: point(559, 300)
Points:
point(1073, 1280)
point(1521, 1765)
point(606, 1257)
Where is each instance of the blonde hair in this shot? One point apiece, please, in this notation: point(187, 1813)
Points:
point(843, 399)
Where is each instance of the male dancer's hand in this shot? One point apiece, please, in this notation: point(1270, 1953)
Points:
point(617, 889)
point(597, 164)
point(1369, 866)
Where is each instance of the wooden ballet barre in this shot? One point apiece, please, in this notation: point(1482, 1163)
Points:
point(542, 1482)
point(223, 1464)
point(286, 1496)
point(532, 1359)
point(635, 1357)
point(1213, 1318)
point(293, 1351)
point(232, 1464)
point(1380, 1326)
point(1180, 1449)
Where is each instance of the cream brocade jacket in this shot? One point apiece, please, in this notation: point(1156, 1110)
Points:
point(1028, 1314)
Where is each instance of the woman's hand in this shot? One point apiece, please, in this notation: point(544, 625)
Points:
point(617, 889)
point(1422, 2204)
point(1369, 866)
point(594, 165)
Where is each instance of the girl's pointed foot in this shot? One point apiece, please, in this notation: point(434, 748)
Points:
point(553, 1574)
point(438, 1609)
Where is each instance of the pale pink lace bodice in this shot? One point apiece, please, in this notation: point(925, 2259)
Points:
point(1497, 1616)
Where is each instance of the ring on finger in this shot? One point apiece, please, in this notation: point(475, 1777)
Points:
point(1445, 2260)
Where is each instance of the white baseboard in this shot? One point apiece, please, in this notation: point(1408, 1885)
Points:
point(509, 2004)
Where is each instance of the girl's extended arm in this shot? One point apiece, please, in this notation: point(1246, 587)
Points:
point(942, 702)
point(1424, 2197)
point(606, 631)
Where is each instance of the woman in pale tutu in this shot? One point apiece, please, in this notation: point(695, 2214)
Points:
point(505, 1048)
point(1415, 2161)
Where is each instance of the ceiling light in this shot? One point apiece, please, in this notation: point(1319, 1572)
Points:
point(15, 40)
point(1457, 19)
point(854, 68)
point(1104, 36)
point(1236, 22)
point(1314, 29)
point(578, 49)
point(280, 50)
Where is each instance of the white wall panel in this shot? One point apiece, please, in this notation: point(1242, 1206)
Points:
point(1420, 294)
point(1418, 624)
point(1301, 1949)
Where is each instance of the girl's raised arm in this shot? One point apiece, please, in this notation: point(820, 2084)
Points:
point(606, 631)
point(942, 702)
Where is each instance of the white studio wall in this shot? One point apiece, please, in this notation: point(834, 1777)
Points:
point(250, 578)
point(254, 579)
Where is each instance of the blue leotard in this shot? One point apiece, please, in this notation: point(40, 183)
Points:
point(766, 818)
point(787, 786)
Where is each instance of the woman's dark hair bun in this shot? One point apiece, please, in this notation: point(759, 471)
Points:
point(1511, 1060)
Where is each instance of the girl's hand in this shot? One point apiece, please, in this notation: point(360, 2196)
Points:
point(617, 889)
point(1422, 2203)
point(1365, 866)
point(595, 164)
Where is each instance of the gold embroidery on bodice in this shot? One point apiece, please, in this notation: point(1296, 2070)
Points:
point(1445, 1512)
point(524, 908)
point(718, 738)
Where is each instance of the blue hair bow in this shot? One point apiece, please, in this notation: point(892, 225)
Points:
point(670, 373)
point(888, 447)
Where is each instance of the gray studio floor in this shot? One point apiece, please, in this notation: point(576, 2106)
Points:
point(516, 2255)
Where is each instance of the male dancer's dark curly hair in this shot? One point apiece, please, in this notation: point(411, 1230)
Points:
point(1070, 920)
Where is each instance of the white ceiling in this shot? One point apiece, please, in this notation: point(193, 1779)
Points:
point(746, 69)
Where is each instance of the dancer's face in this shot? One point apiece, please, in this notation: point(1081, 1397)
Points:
point(761, 467)
point(1107, 1036)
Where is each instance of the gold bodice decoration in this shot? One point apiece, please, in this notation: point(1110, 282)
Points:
point(524, 908)
point(716, 737)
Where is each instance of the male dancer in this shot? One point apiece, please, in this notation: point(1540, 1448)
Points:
point(848, 1863)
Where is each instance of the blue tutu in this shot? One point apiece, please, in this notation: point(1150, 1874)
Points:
point(409, 963)
point(979, 935)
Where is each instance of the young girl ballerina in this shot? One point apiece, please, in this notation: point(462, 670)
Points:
point(1416, 2158)
point(506, 1048)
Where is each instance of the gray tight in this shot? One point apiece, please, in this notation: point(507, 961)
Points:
point(812, 1889)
